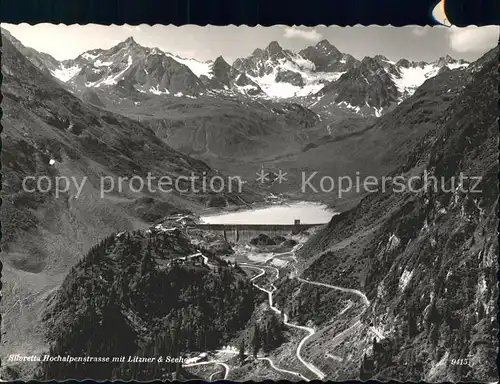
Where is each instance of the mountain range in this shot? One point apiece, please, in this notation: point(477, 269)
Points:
point(319, 76)
point(212, 110)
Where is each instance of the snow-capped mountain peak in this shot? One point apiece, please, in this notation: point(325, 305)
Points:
point(274, 48)
point(325, 45)
point(377, 84)
point(450, 62)
point(129, 41)
point(371, 85)
point(327, 58)
point(134, 68)
point(282, 73)
point(219, 64)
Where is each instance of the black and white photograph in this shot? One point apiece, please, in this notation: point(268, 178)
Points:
point(249, 203)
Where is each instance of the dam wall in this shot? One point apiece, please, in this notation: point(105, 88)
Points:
point(241, 233)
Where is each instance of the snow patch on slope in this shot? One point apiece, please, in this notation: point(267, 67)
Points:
point(99, 63)
point(65, 73)
point(199, 68)
point(393, 242)
point(276, 89)
point(89, 56)
point(313, 81)
point(412, 78)
point(354, 108)
point(457, 65)
point(378, 111)
point(156, 91)
point(405, 279)
point(246, 88)
point(113, 79)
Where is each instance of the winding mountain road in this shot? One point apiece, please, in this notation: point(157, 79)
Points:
point(342, 289)
point(226, 367)
point(213, 374)
point(309, 330)
point(271, 363)
point(276, 270)
point(356, 321)
point(334, 357)
point(262, 272)
point(336, 340)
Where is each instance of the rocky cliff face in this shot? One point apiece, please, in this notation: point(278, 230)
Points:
point(132, 66)
point(49, 131)
point(327, 58)
point(43, 61)
point(364, 87)
point(426, 259)
point(376, 85)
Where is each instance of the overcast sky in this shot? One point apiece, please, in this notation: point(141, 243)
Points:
point(206, 43)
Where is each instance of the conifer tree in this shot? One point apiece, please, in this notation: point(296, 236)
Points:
point(366, 370)
point(265, 335)
point(178, 371)
point(256, 342)
point(147, 263)
point(242, 351)
point(317, 301)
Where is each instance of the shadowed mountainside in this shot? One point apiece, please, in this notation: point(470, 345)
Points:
point(427, 260)
point(50, 133)
point(137, 293)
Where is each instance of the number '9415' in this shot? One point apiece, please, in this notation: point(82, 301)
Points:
point(459, 361)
